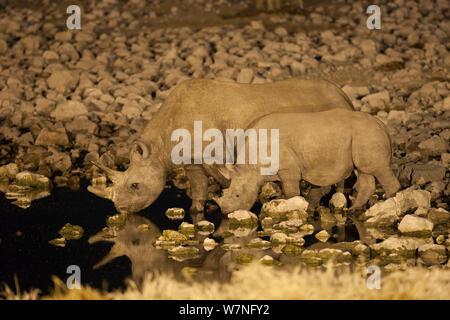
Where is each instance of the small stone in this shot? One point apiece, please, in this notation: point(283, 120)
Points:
point(143, 227)
point(59, 242)
point(245, 258)
point(404, 246)
point(9, 170)
point(267, 260)
point(117, 221)
point(278, 238)
point(44, 106)
point(181, 253)
point(50, 56)
point(63, 36)
point(432, 254)
point(131, 110)
point(278, 209)
point(269, 191)
point(69, 110)
point(245, 76)
point(209, 244)
point(377, 100)
point(33, 180)
point(175, 213)
point(427, 173)
point(187, 229)
point(259, 244)
point(438, 216)
point(338, 200)
point(47, 138)
point(172, 235)
point(434, 145)
point(242, 218)
point(323, 236)
point(204, 227)
point(71, 232)
point(63, 80)
point(355, 92)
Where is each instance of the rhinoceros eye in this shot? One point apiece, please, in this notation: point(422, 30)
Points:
point(135, 186)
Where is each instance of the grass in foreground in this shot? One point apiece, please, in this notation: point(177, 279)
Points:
point(261, 282)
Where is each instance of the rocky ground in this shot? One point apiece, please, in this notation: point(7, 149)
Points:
point(68, 97)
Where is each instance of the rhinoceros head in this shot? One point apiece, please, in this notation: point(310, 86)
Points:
point(243, 190)
point(136, 188)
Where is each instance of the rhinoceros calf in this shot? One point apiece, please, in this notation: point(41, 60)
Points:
point(219, 105)
point(322, 148)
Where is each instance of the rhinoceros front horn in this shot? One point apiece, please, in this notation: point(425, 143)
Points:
point(113, 175)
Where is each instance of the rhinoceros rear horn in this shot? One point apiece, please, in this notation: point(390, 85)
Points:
point(140, 151)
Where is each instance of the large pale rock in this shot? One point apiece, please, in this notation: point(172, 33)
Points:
point(404, 246)
point(413, 225)
point(403, 201)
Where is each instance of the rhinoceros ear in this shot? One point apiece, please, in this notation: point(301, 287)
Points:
point(140, 151)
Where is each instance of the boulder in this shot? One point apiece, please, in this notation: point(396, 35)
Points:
point(413, 225)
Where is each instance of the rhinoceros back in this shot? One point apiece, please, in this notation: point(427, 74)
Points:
point(225, 105)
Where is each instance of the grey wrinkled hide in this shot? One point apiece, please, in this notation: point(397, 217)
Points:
point(322, 148)
point(219, 105)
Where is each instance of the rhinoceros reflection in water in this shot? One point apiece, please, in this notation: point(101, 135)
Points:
point(136, 240)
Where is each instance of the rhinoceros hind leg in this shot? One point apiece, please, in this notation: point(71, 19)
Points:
point(366, 187)
point(389, 182)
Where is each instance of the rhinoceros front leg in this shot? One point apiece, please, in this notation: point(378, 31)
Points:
point(199, 191)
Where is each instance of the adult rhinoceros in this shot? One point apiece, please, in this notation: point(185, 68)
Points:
point(220, 105)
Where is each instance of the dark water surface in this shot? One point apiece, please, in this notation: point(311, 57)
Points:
point(25, 250)
point(34, 260)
